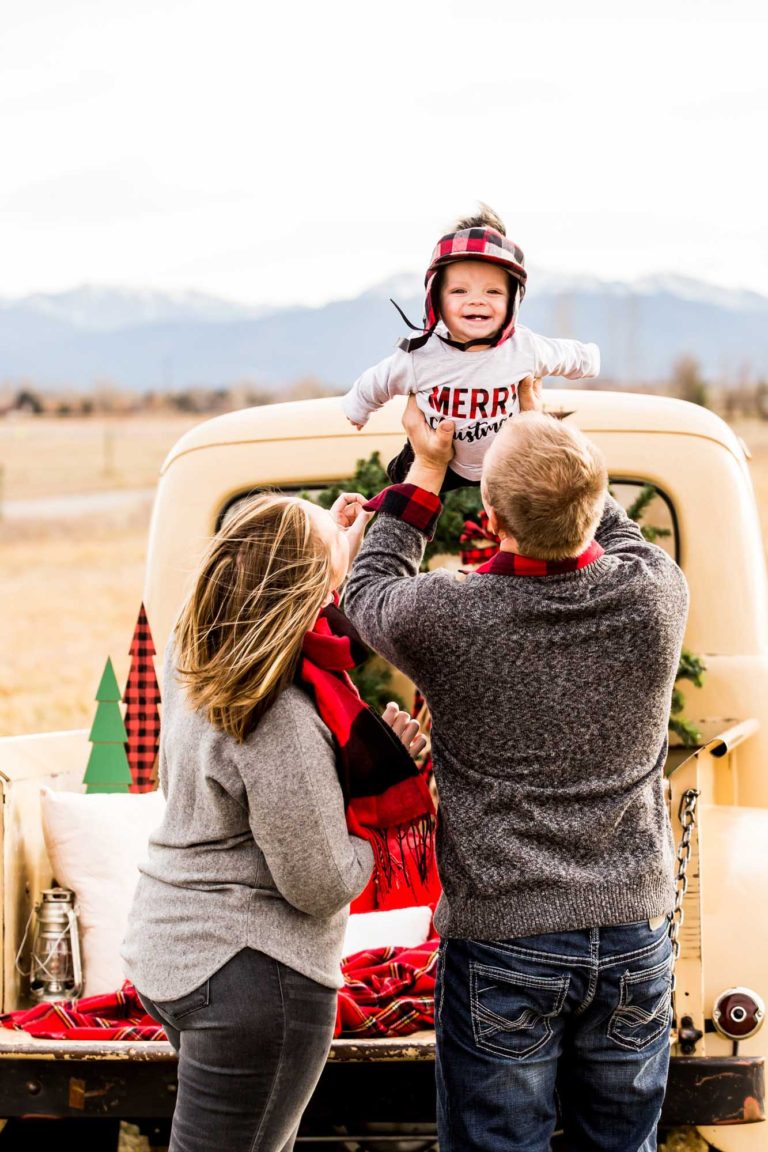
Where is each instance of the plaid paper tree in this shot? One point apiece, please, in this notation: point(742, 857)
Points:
point(108, 769)
point(142, 717)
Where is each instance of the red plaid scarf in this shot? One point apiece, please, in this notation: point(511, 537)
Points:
point(387, 798)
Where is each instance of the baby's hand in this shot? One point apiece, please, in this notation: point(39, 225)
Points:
point(354, 425)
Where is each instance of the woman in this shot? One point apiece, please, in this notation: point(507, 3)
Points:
point(236, 931)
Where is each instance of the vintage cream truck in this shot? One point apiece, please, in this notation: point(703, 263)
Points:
point(718, 792)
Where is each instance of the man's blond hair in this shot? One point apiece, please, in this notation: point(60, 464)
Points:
point(547, 485)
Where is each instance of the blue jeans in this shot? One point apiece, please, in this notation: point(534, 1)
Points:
point(580, 1018)
point(252, 1042)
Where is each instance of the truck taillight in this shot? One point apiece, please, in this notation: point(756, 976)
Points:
point(738, 1013)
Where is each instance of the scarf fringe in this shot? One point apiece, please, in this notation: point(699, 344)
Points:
point(397, 849)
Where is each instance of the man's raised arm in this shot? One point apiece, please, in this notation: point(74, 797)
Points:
point(385, 595)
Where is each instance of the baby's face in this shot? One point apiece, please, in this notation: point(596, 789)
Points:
point(473, 299)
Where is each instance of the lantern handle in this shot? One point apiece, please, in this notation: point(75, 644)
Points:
point(17, 965)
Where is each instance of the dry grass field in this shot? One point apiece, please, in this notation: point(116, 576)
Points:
point(70, 588)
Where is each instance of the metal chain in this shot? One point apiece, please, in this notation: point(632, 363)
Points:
point(687, 818)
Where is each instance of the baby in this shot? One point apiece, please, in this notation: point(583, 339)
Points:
point(471, 356)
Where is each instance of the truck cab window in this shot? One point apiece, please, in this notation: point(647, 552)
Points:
point(646, 503)
point(652, 510)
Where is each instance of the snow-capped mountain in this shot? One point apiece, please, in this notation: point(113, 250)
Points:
point(105, 309)
point(156, 340)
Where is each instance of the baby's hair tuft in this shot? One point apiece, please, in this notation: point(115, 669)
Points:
point(485, 217)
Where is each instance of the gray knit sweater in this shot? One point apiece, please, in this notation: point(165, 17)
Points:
point(550, 701)
point(253, 851)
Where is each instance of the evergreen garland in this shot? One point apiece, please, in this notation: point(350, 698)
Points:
point(691, 667)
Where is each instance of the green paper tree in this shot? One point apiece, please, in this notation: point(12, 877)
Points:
point(108, 768)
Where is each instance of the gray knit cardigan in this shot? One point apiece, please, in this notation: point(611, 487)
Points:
point(253, 850)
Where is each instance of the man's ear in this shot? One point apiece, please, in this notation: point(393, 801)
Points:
point(493, 522)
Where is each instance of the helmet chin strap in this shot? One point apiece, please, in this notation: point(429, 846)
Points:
point(410, 345)
point(489, 340)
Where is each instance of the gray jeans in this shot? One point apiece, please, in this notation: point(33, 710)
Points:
point(252, 1042)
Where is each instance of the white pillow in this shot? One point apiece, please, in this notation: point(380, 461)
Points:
point(395, 928)
point(95, 843)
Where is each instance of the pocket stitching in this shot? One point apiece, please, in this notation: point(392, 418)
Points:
point(166, 1006)
point(441, 956)
point(479, 1013)
point(625, 1009)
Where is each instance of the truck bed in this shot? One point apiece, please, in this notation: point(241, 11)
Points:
point(388, 1080)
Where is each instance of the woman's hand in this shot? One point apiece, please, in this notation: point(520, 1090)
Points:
point(348, 513)
point(405, 728)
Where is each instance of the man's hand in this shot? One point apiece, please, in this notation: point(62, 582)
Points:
point(529, 394)
point(432, 448)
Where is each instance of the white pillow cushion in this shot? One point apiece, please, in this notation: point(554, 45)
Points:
point(394, 928)
point(95, 843)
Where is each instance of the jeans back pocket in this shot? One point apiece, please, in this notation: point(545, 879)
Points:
point(645, 1007)
point(512, 1012)
point(175, 1010)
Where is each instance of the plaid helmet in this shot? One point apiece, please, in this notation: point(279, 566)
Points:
point(476, 244)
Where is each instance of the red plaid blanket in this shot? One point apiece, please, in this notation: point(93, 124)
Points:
point(113, 1016)
point(388, 991)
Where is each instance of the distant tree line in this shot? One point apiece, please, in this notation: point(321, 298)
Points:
point(107, 398)
point(742, 396)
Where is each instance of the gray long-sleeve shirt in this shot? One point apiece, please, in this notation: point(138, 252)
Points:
point(253, 850)
point(550, 702)
point(477, 391)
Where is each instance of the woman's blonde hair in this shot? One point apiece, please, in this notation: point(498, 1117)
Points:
point(262, 582)
point(547, 485)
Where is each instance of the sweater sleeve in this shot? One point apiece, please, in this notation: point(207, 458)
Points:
point(569, 358)
point(393, 606)
point(622, 537)
point(296, 813)
point(391, 377)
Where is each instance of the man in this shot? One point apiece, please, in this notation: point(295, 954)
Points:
point(548, 673)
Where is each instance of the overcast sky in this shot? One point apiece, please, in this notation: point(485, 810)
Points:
point(280, 152)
